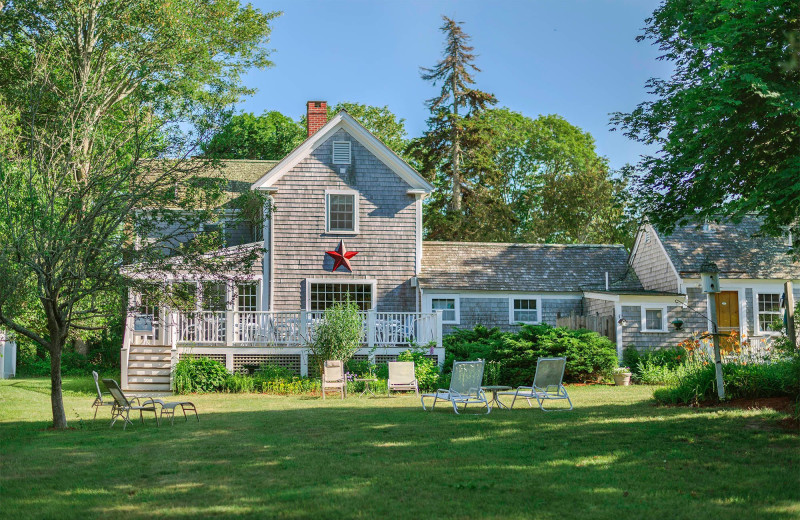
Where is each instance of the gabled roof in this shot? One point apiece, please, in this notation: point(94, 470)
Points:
point(522, 267)
point(740, 250)
point(240, 174)
point(345, 121)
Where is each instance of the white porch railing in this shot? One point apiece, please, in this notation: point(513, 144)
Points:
point(281, 328)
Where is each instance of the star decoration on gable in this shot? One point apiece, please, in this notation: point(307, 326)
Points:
point(341, 256)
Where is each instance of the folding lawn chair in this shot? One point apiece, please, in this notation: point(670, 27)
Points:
point(546, 384)
point(333, 377)
point(98, 401)
point(402, 377)
point(123, 406)
point(465, 387)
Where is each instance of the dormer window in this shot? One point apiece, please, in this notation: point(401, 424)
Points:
point(341, 211)
point(341, 152)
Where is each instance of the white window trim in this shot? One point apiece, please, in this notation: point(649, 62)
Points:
point(511, 299)
point(372, 282)
point(756, 321)
point(349, 152)
point(354, 193)
point(457, 306)
point(652, 307)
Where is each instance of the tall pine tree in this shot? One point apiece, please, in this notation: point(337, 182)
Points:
point(452, 150)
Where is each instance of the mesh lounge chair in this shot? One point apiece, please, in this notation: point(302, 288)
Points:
point(123, 406)
point(333, 377)
point(465, 387)
point(546, 384)
point(170, 407)
point(98, 401)
point(402, 377)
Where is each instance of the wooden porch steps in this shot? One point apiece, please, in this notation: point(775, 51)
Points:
point(149, 369)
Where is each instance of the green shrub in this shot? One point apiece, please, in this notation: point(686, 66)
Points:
point(696, 381)
point(338, 334)
point(199, 374)
point(590, 357)
point(425, 369)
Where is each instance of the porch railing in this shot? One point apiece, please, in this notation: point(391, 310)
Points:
point(286, 328)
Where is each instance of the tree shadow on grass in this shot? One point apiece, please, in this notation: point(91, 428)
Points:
point(348, 461)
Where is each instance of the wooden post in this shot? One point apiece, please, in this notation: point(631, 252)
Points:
point(371, 324)
point(712, 313)
point(790, 330)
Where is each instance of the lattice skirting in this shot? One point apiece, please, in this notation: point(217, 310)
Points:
point(382, 359)
point(215, 357)
point(289, 361)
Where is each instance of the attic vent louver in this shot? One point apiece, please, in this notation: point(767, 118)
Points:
point(341, 152)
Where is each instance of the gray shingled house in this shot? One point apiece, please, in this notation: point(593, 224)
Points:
point(348, 223)
point(665, 268)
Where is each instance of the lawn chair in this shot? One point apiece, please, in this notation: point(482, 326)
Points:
point(123, 406)
point(170, 407)
point(402, 377)
point(546, 384)
point(465, 386)
point(333, 377)
point(98, 401)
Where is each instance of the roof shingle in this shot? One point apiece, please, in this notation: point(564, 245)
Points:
point(522, 267)
point(740, 251)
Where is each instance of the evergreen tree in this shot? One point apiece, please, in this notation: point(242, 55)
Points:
point(451, 152)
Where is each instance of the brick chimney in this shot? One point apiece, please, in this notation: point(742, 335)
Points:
point(316, 116)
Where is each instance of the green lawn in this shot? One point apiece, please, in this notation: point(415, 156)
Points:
point(615, 456)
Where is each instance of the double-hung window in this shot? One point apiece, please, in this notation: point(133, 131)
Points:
point(654, 319)
point(449, 307)
point(341, 212)
point(525, 310)
point(769, 311)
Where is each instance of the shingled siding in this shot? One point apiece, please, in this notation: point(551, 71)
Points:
point(494, 312)
point(387, 226)
point(595, 307)
point(652, 265)
point(693, 323)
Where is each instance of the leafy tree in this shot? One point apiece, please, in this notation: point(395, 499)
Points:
point(384, 124)
point(100, 89)
point(452, 151)
point(557, 186)
point(270, 136)
point(337, 335)
point(727, 122)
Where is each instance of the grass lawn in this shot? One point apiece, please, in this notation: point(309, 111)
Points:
point(615, 456)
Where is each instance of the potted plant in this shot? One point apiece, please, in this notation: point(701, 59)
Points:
point(622, 376)
point(677, 323)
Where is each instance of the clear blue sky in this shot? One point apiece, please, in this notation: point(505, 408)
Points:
point(575, 58)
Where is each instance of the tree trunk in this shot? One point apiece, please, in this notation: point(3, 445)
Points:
point(456, 159)
point(56, 399)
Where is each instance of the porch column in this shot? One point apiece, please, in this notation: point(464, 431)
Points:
point(304, 364)
point(371, 323)
point(438, 330)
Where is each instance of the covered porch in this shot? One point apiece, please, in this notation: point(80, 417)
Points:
point(155, 341)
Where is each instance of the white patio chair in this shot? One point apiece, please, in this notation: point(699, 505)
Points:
point(465, 387)
point(98, 401)
point(402, 377)
point(547, 384)
point(123, 406)
point(333, 377)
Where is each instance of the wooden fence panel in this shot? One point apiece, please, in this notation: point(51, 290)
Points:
point(603, 325)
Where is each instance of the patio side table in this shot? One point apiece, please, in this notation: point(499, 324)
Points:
point(494, 389)
point(366, 381)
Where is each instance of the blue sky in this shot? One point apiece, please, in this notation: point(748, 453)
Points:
point(575, 58)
